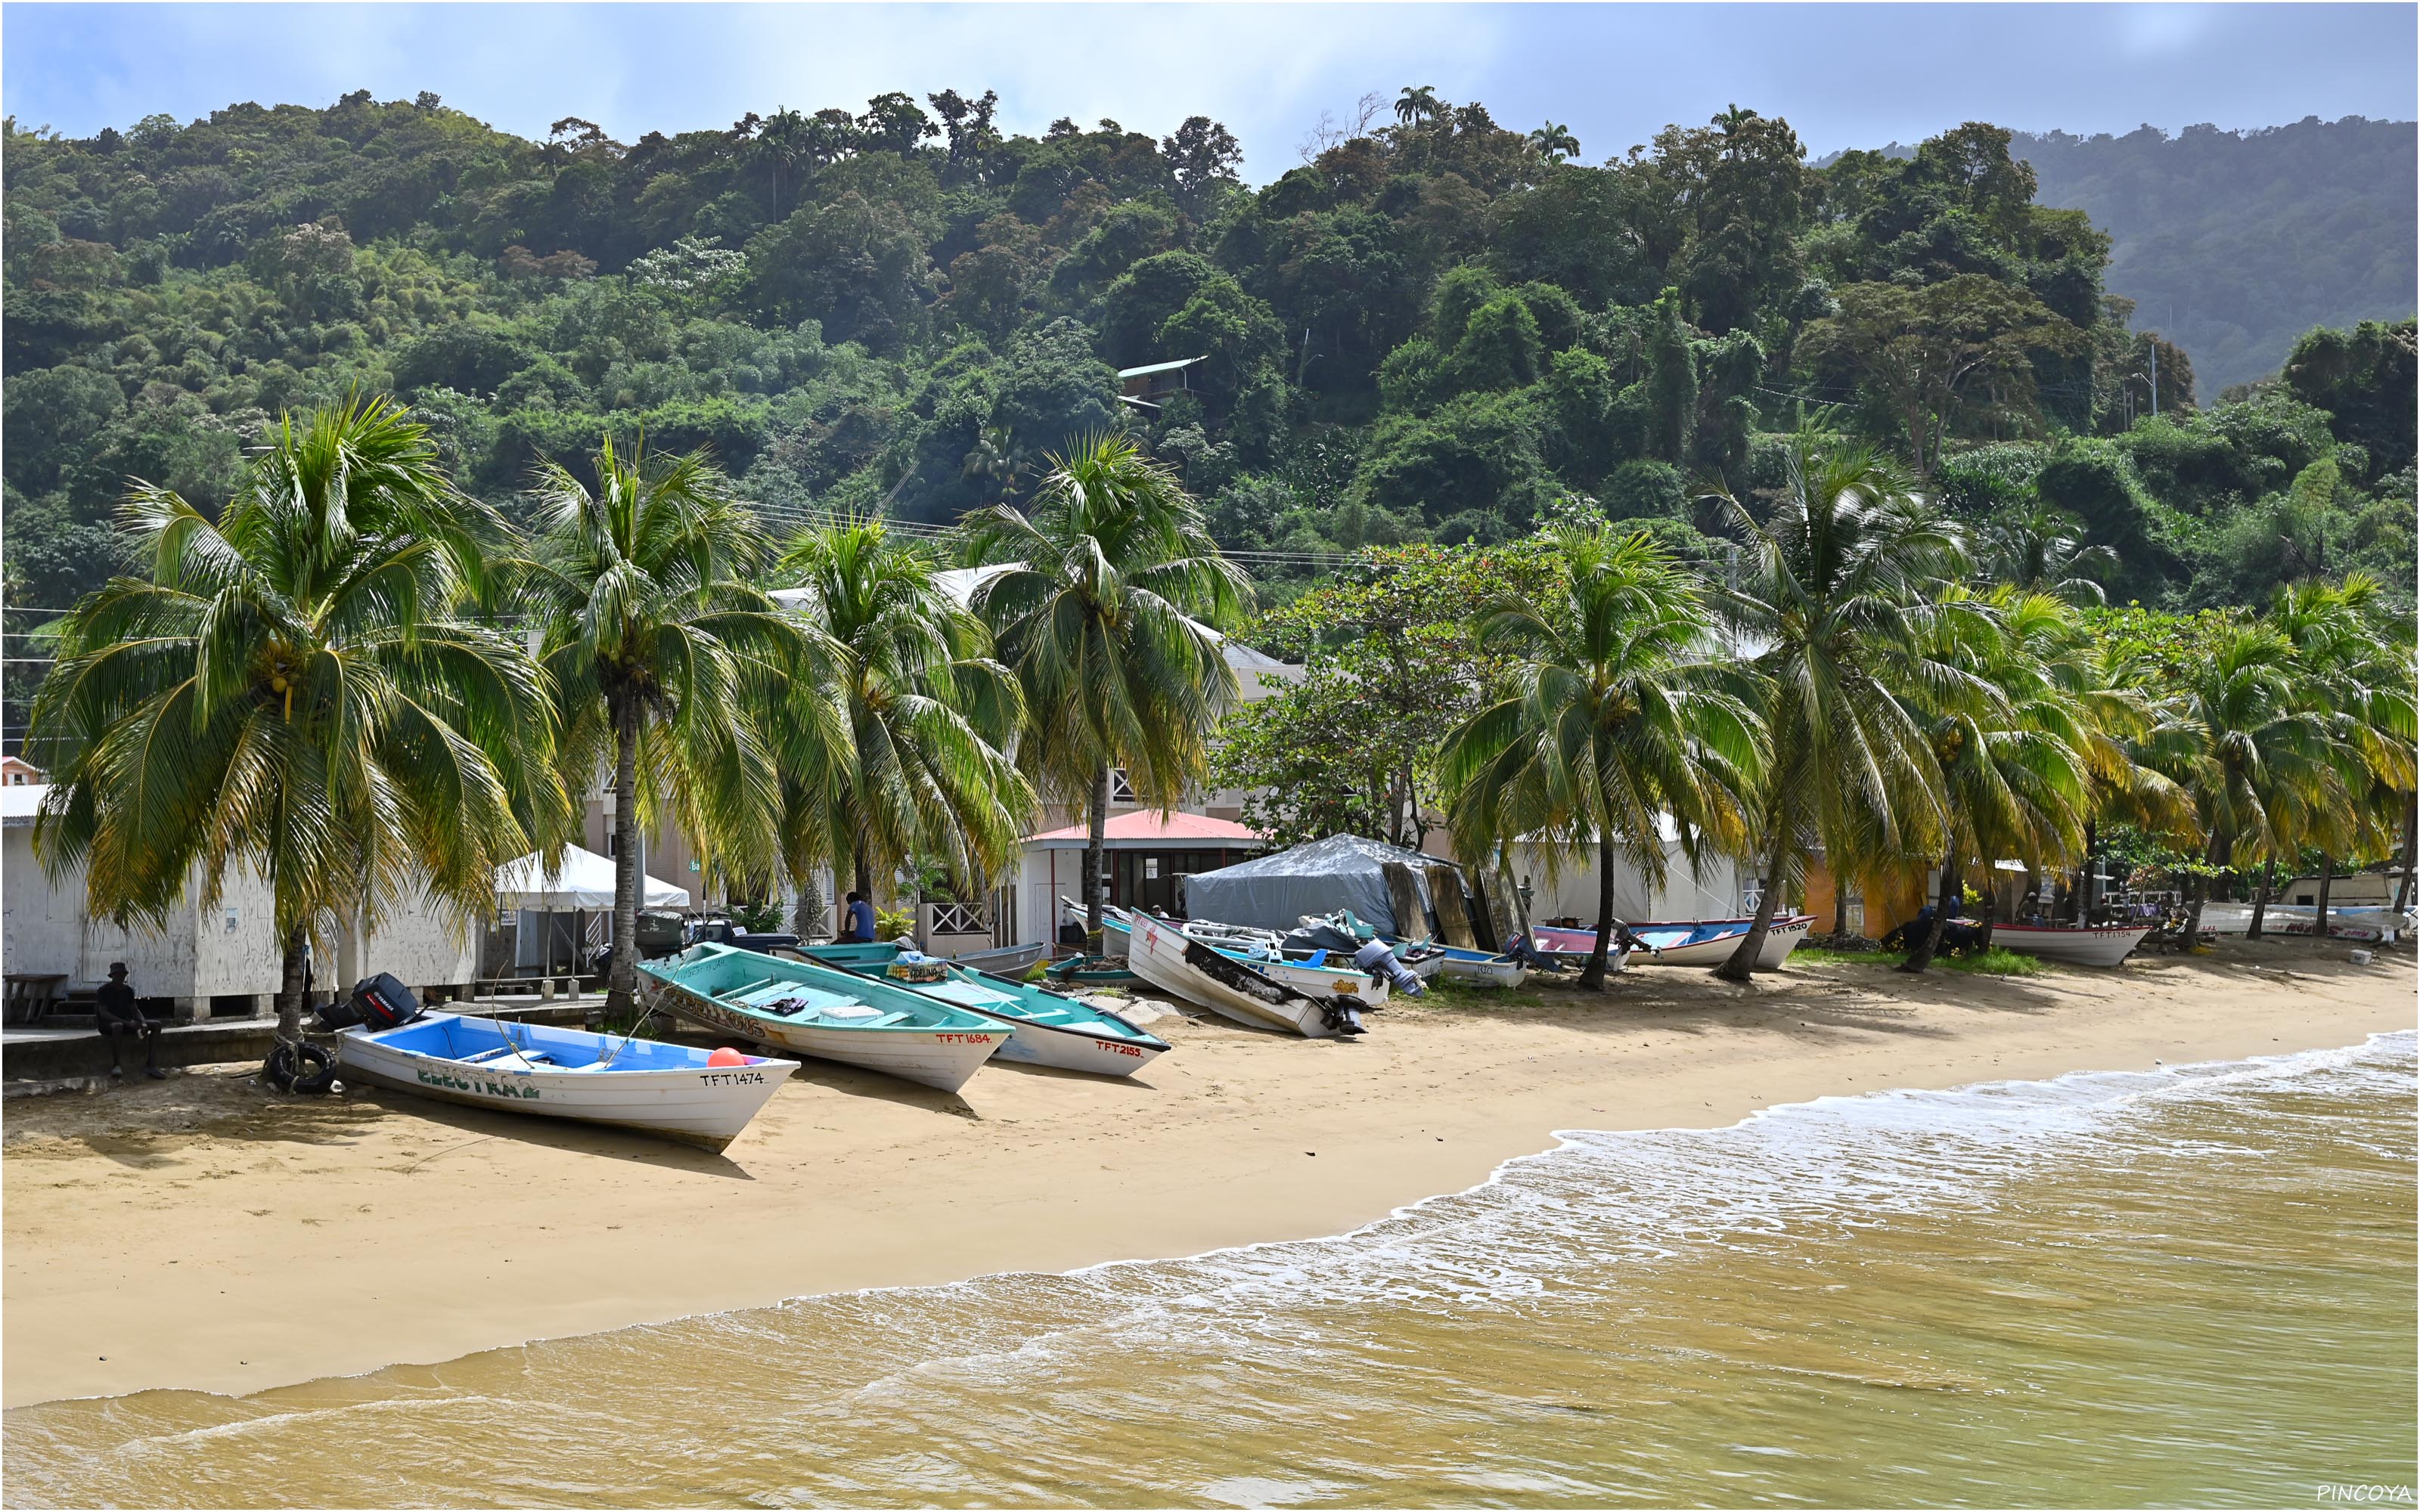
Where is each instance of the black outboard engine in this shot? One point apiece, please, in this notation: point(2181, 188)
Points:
point(383, 1002)
point(1378, 961)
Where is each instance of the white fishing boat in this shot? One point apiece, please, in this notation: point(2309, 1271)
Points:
point(1490, 970)
point(1699, 942)
point(820, 1011)
point(697, 1096)
point(2075, 945)
point(1261, 950)
point(1187, 969)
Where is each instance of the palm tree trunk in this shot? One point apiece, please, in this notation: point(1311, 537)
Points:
point(1925, 949)
point(1840, 908)
point(861, 867)
point(1593, 977)
point(2327, 881)
point(289, 985)
point(2260, 900)
point(2197, 889)
point(2411, 834)
point(1095, 848)
point(2087, 886)
point(1742, 965)
point(621, 996)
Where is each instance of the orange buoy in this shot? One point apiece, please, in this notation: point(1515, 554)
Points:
point(726, 1056)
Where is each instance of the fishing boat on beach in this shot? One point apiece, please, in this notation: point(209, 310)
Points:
point(1091, 971)
point(1699, 942)
point(1484, 967)
point(1052, 1029)
point(1261, 950)
point(1187, 969)
point(2105, 945)
point(818, 1010)
point(1015, 961)
point(698, 1096)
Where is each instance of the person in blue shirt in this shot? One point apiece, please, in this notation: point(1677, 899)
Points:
point(860, 929)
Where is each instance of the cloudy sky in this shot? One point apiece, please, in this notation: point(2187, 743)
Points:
point(1847, 75)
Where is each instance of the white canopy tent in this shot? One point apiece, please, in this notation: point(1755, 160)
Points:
point(581, 882)
point(583, 879)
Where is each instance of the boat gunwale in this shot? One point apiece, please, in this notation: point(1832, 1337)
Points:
point(983, 1025)
point(354, 1034)
point(1142, 1038)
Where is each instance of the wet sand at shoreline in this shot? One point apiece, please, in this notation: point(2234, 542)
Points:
point(205, 1233)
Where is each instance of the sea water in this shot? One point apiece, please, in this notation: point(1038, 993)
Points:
point(2193, 1285)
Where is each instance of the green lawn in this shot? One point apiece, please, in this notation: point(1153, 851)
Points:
point(1995, 962)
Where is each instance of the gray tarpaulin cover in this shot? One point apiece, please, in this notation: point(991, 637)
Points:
point(1340, 871)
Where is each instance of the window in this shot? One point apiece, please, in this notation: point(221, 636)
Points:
point(1120, 791)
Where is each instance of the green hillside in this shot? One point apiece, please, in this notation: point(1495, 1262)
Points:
point(2234, 243)
point(1434, 332)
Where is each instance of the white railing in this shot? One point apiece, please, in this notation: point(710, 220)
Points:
point(958, 918)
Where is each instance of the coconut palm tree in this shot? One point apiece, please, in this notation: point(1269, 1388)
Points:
point(2132, 728)
point(1108, 610)
point(1612, 716)
point(1832, 604)
point(293, 691)
point(666, 660)
point(2015, 766)
point(2041, 549)
point(2347, 674)
point(924, 717)
point(2256, 757)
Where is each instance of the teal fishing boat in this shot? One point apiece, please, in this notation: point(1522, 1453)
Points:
point(1052, 1029)
point(828, 1013)
point(1091, 971)
point(1010, 960)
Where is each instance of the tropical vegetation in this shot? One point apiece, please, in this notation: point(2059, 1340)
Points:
point(1843, 508)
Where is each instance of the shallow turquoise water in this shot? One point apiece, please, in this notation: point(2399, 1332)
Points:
point(2189, 1286)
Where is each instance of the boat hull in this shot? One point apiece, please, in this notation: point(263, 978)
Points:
point(943, 1058)
point(708, 1106)
point(1070, 1049)
point(1158, 955)
point(1081, 1037)
point(1781, 937)
point(2108, 946)
point(1319, 981)
point(1478, 967)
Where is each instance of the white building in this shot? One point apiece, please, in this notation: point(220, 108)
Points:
point(225, 961)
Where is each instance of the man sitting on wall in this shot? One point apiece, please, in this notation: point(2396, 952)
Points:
point(117, 1014)
point(860, 928)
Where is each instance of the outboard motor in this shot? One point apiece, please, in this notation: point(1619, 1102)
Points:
point(1378, 961)
point(384, 1002)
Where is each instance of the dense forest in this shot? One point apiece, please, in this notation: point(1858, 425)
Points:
point(1438, 328)
point(2235, 243)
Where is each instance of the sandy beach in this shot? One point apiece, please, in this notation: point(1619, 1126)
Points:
point(203, 1233)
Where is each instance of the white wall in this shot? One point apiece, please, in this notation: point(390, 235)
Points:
point(1710, 894)
point(200, 953)
point(44, 929)
point(423, 945)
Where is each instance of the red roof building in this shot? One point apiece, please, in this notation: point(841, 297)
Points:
point(1146, 855)
point(1147, 830)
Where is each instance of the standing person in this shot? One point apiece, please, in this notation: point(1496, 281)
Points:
point(117, 1014)
point(860, 922)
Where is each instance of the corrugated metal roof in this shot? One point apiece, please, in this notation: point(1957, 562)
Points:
point(1160, 368)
